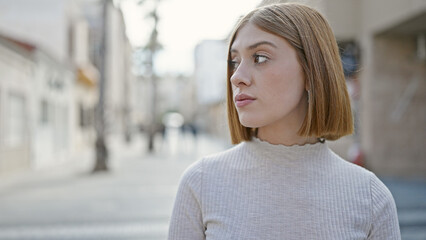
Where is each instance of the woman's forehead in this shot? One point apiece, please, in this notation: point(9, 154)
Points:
point(249, 35)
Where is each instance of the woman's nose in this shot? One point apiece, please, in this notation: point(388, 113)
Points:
point(241, 76)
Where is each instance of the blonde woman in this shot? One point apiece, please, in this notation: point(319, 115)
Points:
point(286, 97)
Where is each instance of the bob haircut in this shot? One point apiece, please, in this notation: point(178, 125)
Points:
point(329, 113)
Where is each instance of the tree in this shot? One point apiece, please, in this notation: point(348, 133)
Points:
point(151, 48)
point(100, 145)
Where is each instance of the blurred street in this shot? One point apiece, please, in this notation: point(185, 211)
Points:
point(135, 199)
point(132, 201)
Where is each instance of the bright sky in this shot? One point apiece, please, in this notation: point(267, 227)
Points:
point(183, 24)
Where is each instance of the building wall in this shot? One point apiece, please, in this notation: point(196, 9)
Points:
point(16, 73)
point(52, 108)
point(379, 15)
point(210, 80)
point(392, 147)
point(120, 81)
point(116, 70)
point(64, 79)
point(344, 18)
point(58, 34)
point(397, 108)
point(35, 20)
point(210, 71)
point(187, 102)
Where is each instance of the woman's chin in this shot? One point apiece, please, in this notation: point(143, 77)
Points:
point(250, 123)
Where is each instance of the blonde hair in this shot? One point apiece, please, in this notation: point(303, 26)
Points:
point(329, 113)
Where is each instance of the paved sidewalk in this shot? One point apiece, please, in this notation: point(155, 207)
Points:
point(410, 199)
point(132, 201)
point(177, 146)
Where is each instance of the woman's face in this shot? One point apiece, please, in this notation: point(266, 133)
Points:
point(268, 82)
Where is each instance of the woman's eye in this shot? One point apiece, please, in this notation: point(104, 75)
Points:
point(233, 64)
point(260, 58)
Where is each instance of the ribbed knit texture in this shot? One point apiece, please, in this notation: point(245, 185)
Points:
point(261, 191)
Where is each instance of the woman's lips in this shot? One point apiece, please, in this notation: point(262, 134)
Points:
point(242, 100)
point(243, 103)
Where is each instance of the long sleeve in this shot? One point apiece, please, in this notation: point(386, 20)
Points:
point(384, 215)
point(186, 221)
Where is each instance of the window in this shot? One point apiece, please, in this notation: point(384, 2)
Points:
point(15, 120)
point(81, 119)
point(71, 41)
point(44, 112)
point(86, 118)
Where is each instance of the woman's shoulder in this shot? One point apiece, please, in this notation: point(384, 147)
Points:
point(214, 161)
point(227, 155)
point(358, 175)
point(348, 168)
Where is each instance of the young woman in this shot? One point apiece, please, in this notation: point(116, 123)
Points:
point(286, 97)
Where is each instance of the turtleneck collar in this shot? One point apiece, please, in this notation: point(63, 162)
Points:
point(267, 150)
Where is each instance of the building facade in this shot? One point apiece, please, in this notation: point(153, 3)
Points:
point(37, 99)
point(16, 74)
point(120, 81)
point(58, 40)
point(210, 81)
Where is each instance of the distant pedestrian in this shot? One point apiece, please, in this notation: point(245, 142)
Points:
point(286, 97)
point(193, 129)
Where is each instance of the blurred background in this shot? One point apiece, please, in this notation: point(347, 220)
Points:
point(103, 104)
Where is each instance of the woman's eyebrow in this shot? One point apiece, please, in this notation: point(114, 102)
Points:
point(261, 43)
point(255, 45)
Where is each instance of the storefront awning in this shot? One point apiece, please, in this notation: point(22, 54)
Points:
point(88, 75)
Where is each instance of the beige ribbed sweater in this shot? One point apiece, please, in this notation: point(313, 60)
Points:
point(261, 191)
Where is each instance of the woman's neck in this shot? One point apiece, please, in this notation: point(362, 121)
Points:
point(287, 137)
